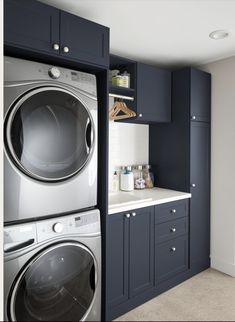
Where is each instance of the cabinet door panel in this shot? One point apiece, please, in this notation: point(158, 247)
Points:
point(200, 201)
point(200, 95)
point(153, 94)
point(31, 24)
point(86, 40)
point(141, 251)
point(171, 258)
point(117, 260)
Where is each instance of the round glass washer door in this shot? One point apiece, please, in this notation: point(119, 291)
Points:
point(49, 134)
point(58, 285)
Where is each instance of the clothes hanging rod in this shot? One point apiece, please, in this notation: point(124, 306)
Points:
point(128, 98)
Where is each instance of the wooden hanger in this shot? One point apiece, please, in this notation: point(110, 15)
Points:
point(120, 106)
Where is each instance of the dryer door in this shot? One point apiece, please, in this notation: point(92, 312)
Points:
point(58, 285)
point(49, 134)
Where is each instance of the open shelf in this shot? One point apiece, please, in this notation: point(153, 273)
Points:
point(121, 90)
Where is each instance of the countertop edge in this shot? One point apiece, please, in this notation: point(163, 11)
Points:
point(144, 204)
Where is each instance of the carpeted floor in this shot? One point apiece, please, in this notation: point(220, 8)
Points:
point(208, 296)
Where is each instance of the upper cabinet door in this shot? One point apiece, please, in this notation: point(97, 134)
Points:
point(84, 40)
point(31, 25)
point(200, 96)
point(153, 94)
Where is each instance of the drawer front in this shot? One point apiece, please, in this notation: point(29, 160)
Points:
point(171, 229)
point(171, 258)
point(171, 210)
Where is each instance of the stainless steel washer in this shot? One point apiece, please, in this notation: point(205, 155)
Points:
point(53, 269)
point(50, 129)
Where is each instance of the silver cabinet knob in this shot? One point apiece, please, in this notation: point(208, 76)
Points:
point(127, 215)
point(173, 230)
point(140, 115)
point(193, 117)
point(66, 49)
point(173, 211)
point(173, 249)
point(133, 214)
point(193, 185)
point(56, 47)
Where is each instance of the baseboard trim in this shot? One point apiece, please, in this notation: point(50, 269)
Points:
point(225, 267)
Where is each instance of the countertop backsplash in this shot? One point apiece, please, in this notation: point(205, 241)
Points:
point(128, 145)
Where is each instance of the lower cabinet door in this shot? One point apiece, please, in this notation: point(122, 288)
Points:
point(117, 260)
point(171, 258)
point(141, 270)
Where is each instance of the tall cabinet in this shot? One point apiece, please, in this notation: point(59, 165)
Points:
point(180, 155)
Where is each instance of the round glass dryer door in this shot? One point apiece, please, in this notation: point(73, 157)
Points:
point(59, 285)
point(50, 134)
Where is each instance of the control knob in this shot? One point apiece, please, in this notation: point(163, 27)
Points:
point(54, 72)
point(58, 227)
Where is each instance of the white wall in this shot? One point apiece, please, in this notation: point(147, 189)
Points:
point(223, 165)
point(128, 145)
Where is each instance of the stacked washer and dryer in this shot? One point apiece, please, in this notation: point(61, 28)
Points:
point(52, 242)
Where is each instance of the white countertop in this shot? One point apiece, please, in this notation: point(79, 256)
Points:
point(124, 201)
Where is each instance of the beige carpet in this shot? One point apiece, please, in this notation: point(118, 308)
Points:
point(208, 296)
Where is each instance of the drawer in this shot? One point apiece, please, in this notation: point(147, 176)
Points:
point(171, 229)
point(171, 258)
point(171, 210)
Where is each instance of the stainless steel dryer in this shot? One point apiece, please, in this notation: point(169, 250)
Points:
point(52, 269)
point(50, 140)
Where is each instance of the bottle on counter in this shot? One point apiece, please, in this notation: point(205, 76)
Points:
point(115, 182)
point(139, 180)
point(148, 176)
point(126, 179)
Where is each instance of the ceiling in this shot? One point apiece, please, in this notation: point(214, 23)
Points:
point(162, 32)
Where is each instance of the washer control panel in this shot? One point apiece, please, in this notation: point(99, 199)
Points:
point(58, 227)
point(21, 237)
point(79, 224)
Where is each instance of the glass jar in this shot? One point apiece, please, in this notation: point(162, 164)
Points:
point(148, 177)
point(139, 180)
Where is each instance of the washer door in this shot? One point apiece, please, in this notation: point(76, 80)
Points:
point(49, 134)
point(59, 285)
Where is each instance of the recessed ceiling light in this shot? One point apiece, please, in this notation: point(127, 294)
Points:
point(218, 34)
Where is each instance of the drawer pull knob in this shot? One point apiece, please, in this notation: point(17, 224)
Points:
point(193, 185)
point(66, 49)
point(127, 215)
point(173, 230)
point(56, 47)
point(173, 211)
point(193, 117)
point(173, 249)
point(140, 115)
point(133, 214)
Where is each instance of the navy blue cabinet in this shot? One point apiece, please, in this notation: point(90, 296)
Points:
point(117, 254)
point(87, 41)
point(32, 25)
point(180, 155)
point(200, 98)
point(200, 189)
point(171, 258)
point(149, 86)
point(129, 258)
point(153, 94)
